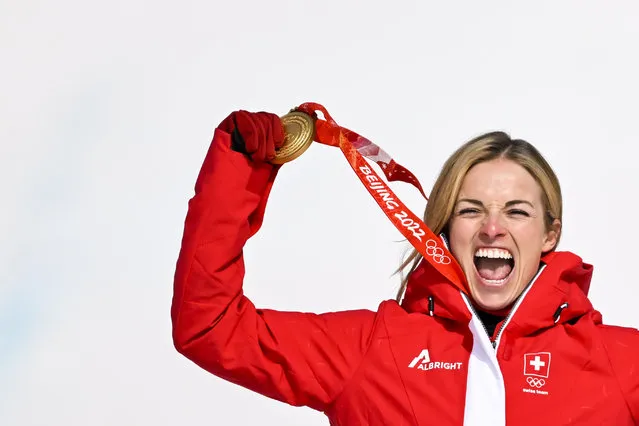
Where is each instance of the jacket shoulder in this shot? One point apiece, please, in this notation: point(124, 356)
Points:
point(620, 341)
point(622, 346)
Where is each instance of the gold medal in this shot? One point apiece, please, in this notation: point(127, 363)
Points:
point(299, 129)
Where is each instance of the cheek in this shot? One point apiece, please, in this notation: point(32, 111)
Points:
point(460, 234)
point(530, 237)
point(530, 243)
point(462, 229)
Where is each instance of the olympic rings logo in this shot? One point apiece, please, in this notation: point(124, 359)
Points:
point(437, 253)
point(535, 382)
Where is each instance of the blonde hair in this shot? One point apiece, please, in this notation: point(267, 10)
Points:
point(487, 147)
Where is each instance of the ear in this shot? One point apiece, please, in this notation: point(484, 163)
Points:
point(552, 236)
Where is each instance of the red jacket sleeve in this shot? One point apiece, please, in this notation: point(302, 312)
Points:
point(622, 345)
point(298, 358)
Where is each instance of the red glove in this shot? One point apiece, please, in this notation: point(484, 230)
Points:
point(256, 134)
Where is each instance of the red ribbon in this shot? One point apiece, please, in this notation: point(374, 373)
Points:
point(355, 148)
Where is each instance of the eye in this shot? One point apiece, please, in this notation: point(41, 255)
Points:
point(518, 212)
point(469, 211)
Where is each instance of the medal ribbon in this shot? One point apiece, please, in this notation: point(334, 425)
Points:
point(355, 148)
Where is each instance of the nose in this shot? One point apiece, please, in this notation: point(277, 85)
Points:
point(492, 227)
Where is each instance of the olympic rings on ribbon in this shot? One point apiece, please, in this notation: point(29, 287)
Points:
point(436, 252)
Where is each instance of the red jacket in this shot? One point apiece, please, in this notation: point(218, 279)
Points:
point(426, 362)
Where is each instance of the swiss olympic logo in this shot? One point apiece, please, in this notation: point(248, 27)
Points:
point(536, 372)
point(436, 252)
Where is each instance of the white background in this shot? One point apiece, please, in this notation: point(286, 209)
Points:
point(107, 110)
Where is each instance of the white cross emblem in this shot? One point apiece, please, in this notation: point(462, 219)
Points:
point(537, 363)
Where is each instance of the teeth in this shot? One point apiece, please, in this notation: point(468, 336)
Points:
point(493, 253)
point(496, 282)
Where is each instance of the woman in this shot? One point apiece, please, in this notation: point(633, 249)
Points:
point(521, 345)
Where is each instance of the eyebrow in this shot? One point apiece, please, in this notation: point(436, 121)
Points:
point(508, 203)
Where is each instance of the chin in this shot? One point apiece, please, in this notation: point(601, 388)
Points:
point(492, 304)
point(491, 300)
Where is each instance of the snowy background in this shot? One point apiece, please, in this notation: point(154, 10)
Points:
point(107, 110)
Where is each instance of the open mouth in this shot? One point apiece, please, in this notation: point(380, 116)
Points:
point(494, 265)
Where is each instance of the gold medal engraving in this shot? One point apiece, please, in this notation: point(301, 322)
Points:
point(299, 129)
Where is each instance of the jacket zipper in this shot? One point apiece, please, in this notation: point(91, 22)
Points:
point(472, 308)
point(520, 299)
point(505, 322)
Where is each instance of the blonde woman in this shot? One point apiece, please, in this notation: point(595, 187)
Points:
point(520, 345)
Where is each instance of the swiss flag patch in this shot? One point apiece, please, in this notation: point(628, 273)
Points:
point(537, 364)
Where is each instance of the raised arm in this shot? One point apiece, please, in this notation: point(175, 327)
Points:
point(298, 358)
